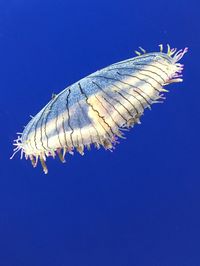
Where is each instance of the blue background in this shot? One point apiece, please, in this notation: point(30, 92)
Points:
point(139, 205)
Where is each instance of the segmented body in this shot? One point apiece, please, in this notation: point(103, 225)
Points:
point(95, 109)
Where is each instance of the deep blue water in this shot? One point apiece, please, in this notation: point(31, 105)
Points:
point(139, 205)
